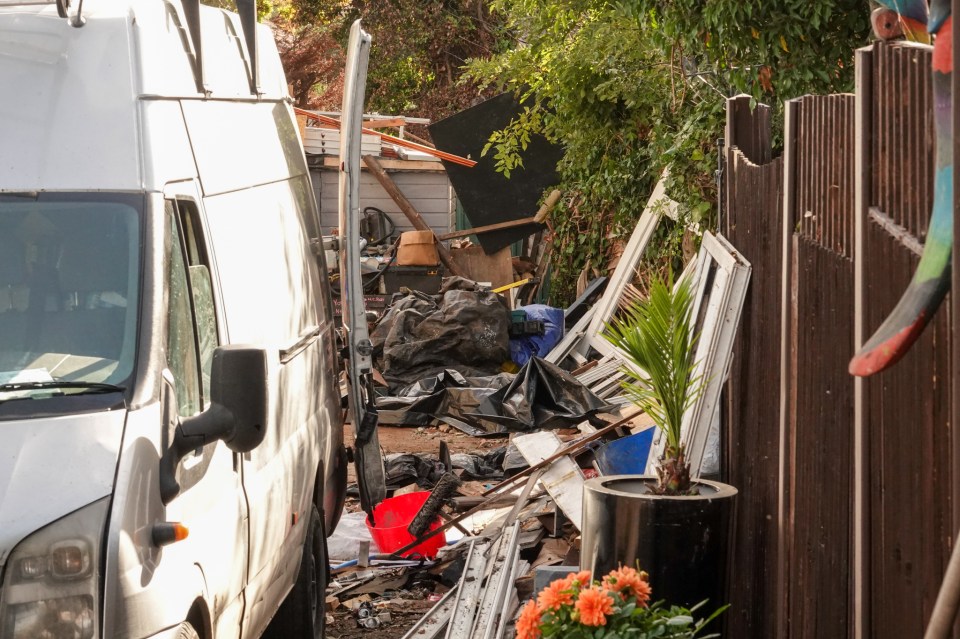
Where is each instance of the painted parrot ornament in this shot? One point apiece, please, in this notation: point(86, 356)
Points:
point(931, 281)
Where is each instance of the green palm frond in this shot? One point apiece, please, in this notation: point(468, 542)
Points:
point(656, 335)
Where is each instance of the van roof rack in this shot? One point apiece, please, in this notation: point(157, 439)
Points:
point(246, 9)
point(62, 6)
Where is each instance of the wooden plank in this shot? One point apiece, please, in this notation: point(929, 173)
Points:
point(571, 449)
point(790, 167)
point(393, 165)
point(753, 195)
point(489, 228)
point(475, 264)
point(376, 123)
point(537, 218)
point(861, 479)
point(408, 209)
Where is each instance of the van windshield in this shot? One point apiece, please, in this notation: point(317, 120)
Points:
point(69, 278)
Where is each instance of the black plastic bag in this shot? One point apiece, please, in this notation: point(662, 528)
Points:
point(421, 335)
point(543, 396)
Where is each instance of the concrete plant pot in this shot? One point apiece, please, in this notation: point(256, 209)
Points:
point(681, 542)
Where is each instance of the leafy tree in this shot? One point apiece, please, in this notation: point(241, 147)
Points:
point(416, 59)
point(313, 60)
point(629, 87)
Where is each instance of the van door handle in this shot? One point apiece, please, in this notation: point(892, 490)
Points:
point(303, 341)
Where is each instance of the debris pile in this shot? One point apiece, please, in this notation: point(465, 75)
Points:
point(491, 527)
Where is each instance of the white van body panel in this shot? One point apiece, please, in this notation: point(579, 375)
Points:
point(40, 479)
point(236, 144)
point(144, 570)
point(166, 145)
point(113, 109)
point(81, 126)
point(166, 71)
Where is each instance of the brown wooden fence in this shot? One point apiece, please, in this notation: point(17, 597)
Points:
point(907, 517)
point(754, 223)
point(844, 522)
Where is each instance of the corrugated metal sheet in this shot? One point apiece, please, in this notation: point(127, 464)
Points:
point(902, 140)
point(909, 452)
point(907, 408)
point(820, 443)
point(817, 433)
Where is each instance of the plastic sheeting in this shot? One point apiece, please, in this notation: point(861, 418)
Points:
point(541, 396)
point(449, 398)
point(464, 329)
point(523, 348)
point(544, 396)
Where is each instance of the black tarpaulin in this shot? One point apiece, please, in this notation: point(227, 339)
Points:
point(541, 396)
point(461, 330)
point(486, 195)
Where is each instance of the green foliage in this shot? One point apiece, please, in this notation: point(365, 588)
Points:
point(656, 335)
point(629, 87)
point(417, 52)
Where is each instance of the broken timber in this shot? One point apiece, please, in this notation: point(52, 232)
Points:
point(538, 218)
point(408, 209)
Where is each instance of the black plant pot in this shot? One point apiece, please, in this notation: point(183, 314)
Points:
point(681, 542)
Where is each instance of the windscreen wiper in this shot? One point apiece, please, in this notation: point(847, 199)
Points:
point(87, 387)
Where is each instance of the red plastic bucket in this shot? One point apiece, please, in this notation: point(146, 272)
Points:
point(392, 517)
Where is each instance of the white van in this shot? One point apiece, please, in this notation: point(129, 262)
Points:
point(171, 443)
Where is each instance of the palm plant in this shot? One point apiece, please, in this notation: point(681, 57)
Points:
point(656, 335)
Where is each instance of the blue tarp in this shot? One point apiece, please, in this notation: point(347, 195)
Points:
point(523, 348)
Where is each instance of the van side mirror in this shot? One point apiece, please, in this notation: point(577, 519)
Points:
point(238, 401)
point(237, 414)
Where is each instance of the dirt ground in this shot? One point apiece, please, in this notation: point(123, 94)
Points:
point(402, 618)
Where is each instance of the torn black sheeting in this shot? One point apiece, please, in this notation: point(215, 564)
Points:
point(448, 397)
point(541, 396)
point(422, 335)
point(424, 470)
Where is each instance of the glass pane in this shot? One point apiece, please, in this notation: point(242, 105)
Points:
point(181, 341)
point(69, 277)
point(206, 322)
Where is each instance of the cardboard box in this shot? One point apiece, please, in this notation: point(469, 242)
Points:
point(418, 248)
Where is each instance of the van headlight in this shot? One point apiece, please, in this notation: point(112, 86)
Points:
point(50, 587)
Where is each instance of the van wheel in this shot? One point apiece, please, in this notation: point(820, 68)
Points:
point(186, 631)
point(302, 614)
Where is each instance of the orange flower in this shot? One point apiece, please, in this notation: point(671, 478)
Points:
point(627, 580)
point(594, 605)
point(528, 625)
point(556, 595)
point(582, 577)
